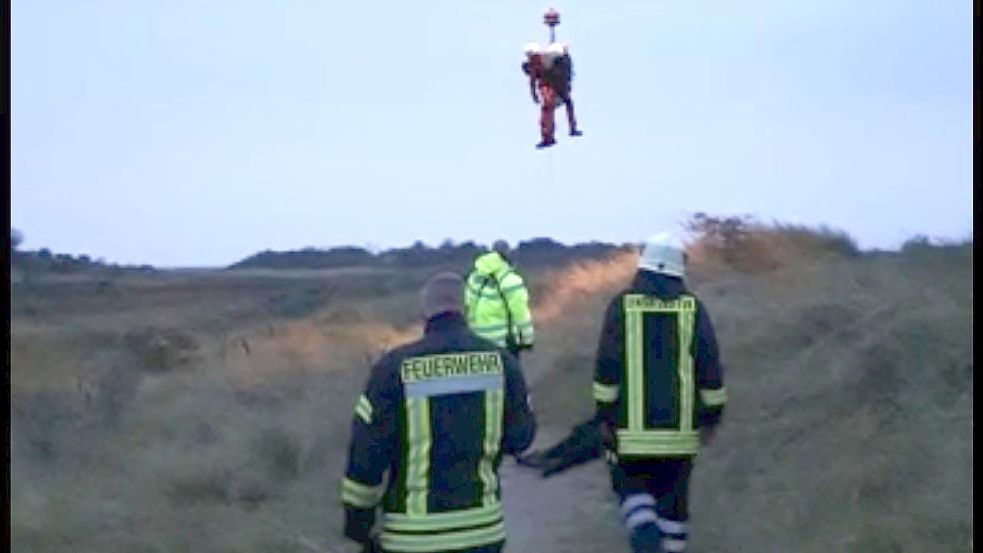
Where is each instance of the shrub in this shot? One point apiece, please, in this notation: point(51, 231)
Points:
point(161, 349)
point(743, 243)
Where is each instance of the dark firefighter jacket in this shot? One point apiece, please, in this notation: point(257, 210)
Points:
point(427, 439)
point(584, 442)
point(658, 377)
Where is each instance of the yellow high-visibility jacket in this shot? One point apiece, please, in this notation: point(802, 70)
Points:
point(497, 303)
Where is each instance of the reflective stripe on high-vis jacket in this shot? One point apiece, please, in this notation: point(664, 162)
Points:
point(496, 333)
point(637, 439)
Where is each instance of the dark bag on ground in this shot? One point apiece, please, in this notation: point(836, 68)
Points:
point(582, 445)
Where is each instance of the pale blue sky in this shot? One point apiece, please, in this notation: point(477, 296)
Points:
point(179, 132)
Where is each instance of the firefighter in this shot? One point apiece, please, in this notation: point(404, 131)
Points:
point(550, 71)
point(498, 302)
point(428, 436)
point(659, 394)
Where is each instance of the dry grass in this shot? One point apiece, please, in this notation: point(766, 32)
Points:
point(850, 421)
point(200, 413)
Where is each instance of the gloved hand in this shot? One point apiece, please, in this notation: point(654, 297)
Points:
point(609, 436)
point(348, 547)
point(515, 349)
point(707, 433)
point(535, 99)
point(372, 546)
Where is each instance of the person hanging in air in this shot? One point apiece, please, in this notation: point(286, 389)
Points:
point(550, 72)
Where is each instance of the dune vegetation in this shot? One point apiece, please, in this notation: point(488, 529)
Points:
point(160, 411)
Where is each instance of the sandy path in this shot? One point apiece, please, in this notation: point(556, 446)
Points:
point(574, 512)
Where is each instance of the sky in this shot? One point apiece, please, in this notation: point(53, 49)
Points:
point(196, 133)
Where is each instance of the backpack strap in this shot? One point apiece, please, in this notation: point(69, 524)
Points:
point(510, 339)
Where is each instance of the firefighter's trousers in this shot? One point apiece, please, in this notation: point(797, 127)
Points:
point(653, 495)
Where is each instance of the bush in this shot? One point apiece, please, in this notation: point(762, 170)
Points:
point(720, 233)
point(161, 349)
point(309, 258)
point(537, 252)
point(302, 302)
point(742, 243)
point(823, 238)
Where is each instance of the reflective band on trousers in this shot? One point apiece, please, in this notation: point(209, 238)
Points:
point(672, 526)
point(635, 501)
point(672, 545)
point(640, 517)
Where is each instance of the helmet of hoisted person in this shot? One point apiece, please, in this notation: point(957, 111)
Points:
point(663, 253)
point(558, 49)
point(532, 49)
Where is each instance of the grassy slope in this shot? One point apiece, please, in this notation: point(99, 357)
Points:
point(211, 413)
point(850, 421)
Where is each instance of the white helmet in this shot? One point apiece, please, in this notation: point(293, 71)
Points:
point(532, 48)
point(558, 48)
point(663, 253)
